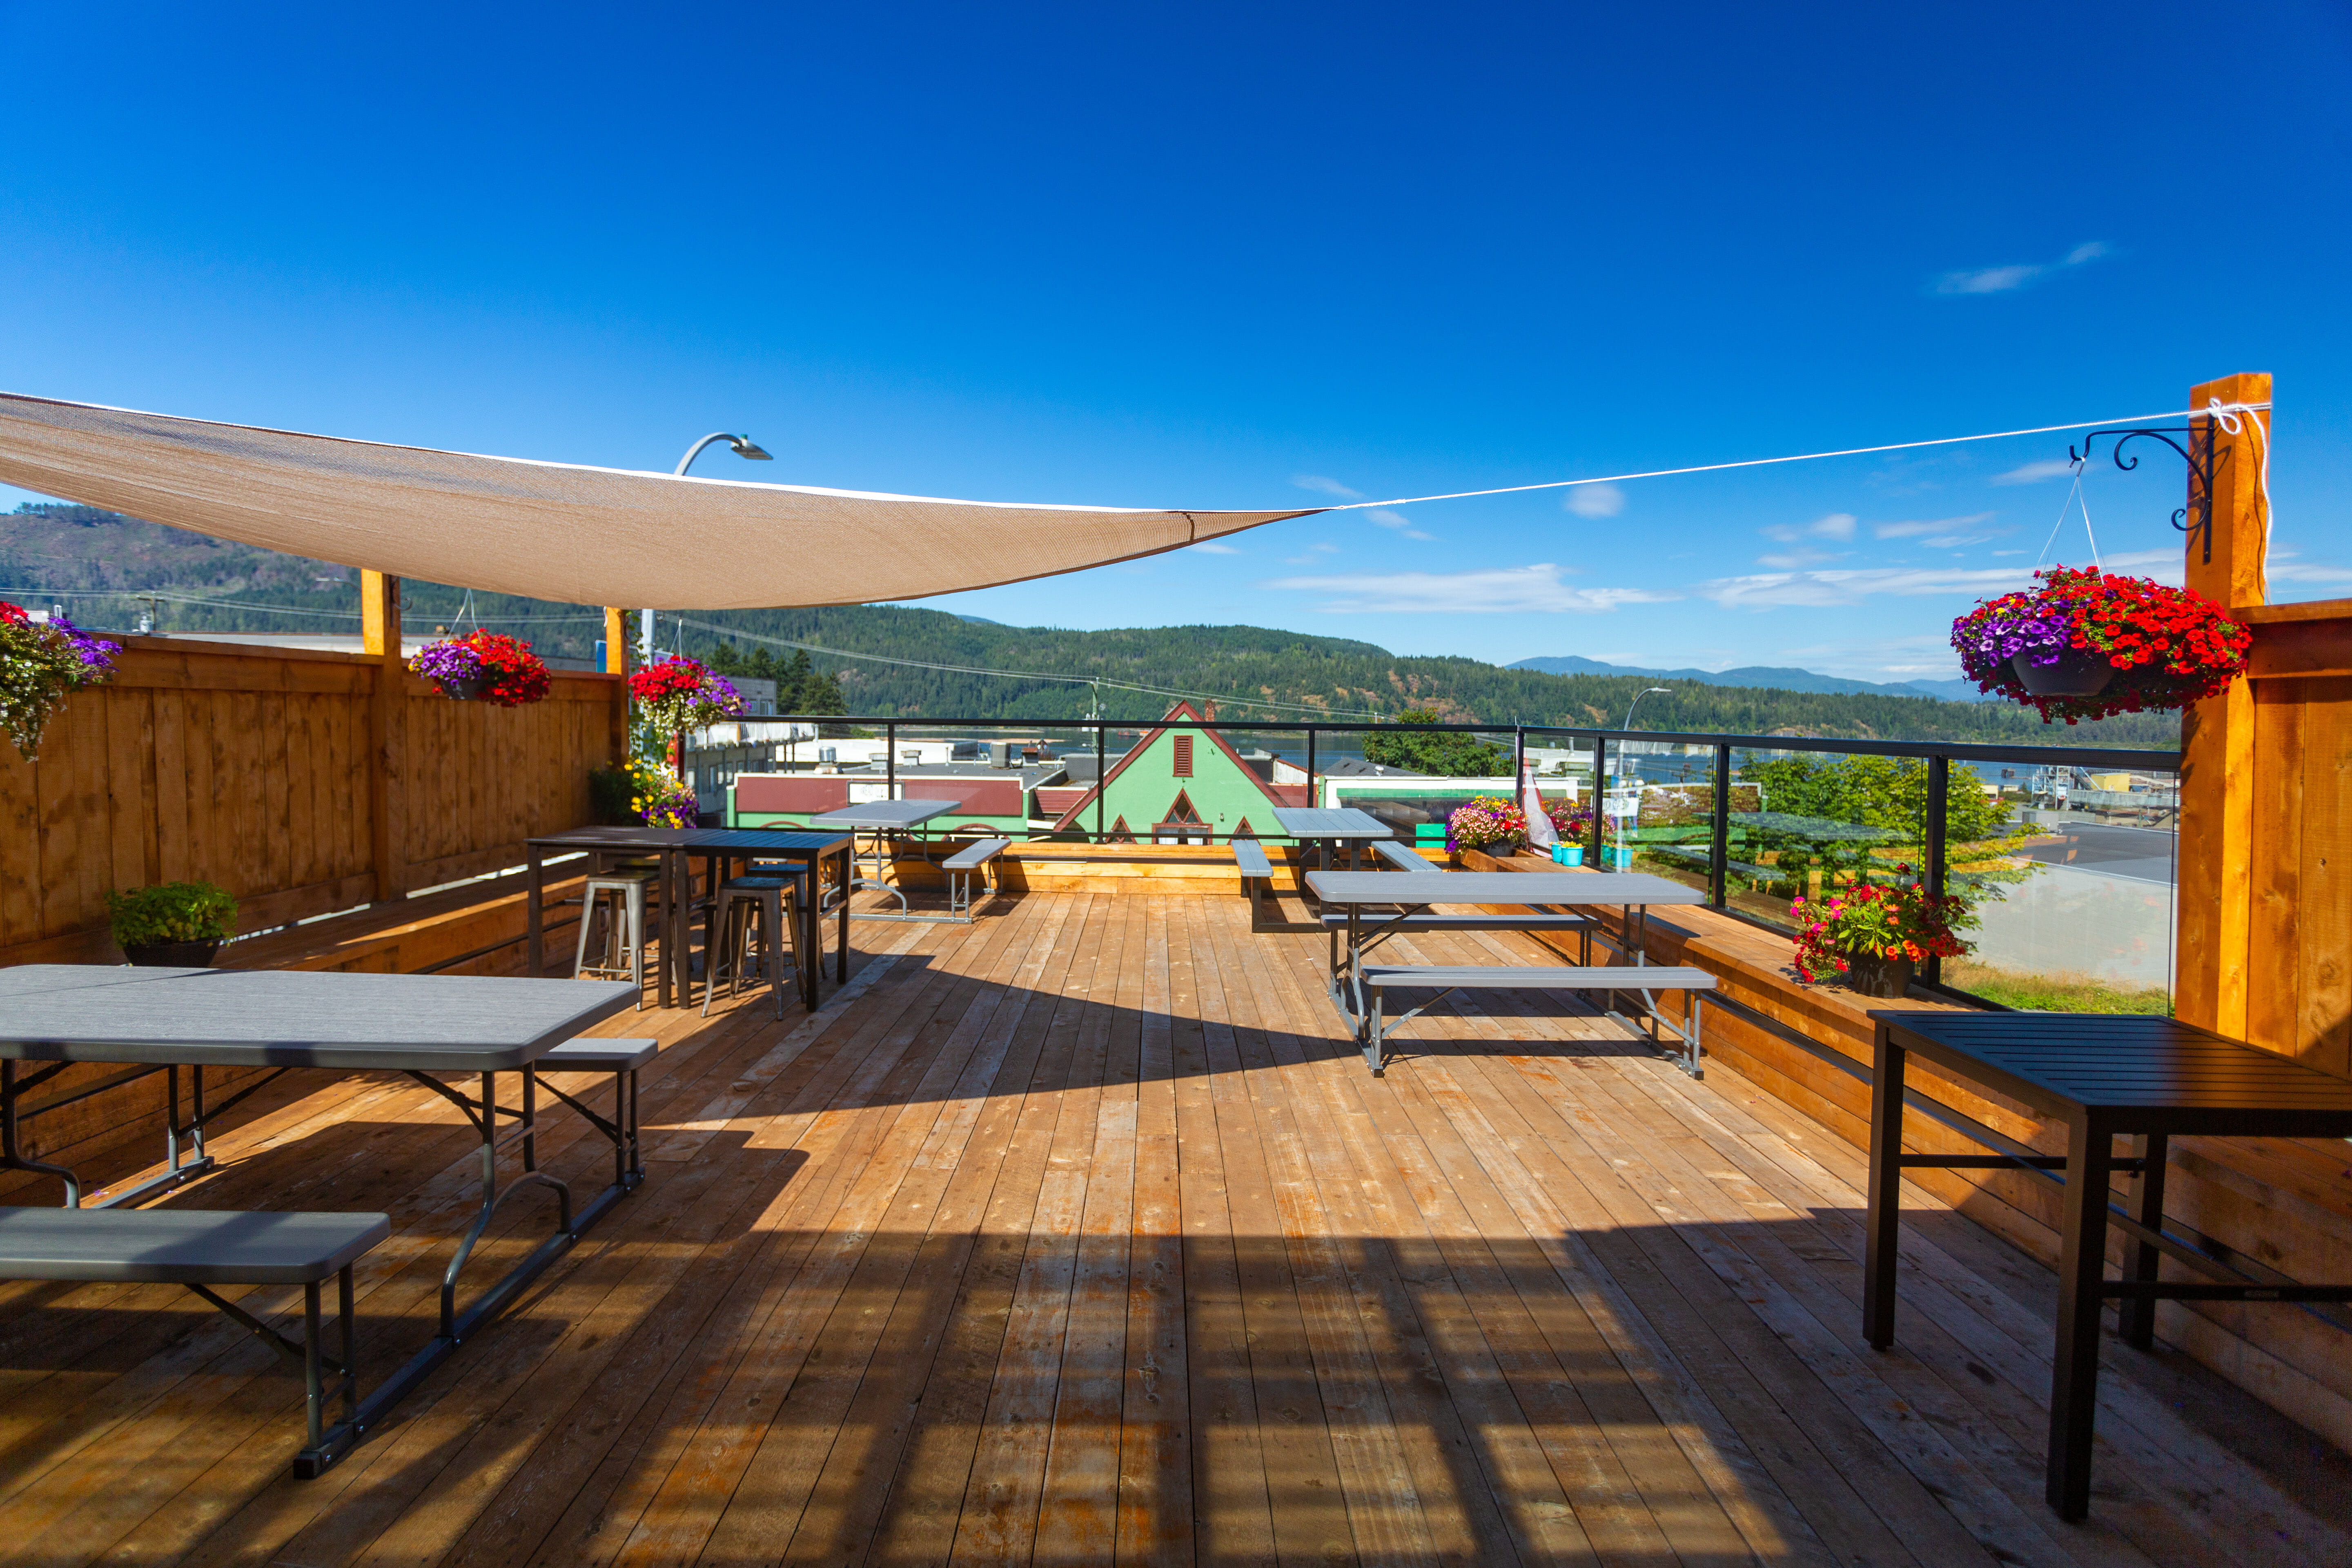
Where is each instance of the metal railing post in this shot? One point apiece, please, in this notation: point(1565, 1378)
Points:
point(1939, 784)
point(1099, 783)
point(1310, 766)
point(1600, 796)
point(890, 761)
point(1718, 863)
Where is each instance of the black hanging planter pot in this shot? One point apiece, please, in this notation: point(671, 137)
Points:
point(173, 954)
point(468, 689)
point(2079, 672)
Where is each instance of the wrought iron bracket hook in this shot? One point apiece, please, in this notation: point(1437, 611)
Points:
point(2201, 470)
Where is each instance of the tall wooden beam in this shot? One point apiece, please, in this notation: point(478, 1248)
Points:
point(2216, 786)
point(616, 662)
point(387, 732)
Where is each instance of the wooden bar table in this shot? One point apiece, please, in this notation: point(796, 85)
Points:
point(720, 847)
point(2105, 1076)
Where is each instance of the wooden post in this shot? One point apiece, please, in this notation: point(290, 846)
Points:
point(2216, 735)
point(387, 732)
point(616, 662)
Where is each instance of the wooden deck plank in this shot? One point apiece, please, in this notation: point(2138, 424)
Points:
point(1080, 1234)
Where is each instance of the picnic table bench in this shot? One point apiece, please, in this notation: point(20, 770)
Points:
point(204, 1248)
point(959, 869)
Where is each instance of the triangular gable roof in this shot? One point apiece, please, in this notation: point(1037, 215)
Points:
point(1181, 713)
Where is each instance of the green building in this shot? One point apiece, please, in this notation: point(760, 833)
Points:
point(1183, 785)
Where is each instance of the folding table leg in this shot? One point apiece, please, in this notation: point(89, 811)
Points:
point(1885, 1233)
point(314, 1387)
point(2082, 1266)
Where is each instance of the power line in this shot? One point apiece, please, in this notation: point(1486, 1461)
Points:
point(1030, 675)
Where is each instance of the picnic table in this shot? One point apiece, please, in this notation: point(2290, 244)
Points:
point(884, 819)
point(1324, 827)
point(2104, 1077)
point(720, 847)
point(1399, 901)
point(420, 1024)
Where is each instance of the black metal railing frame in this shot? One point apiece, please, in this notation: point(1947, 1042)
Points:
point(1940, 757)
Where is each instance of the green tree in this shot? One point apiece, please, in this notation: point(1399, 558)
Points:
point(1448, 754)
point(1890, 794)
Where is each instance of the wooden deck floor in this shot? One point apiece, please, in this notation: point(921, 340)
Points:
point(1080, 1235)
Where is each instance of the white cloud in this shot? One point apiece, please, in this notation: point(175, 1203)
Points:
point(2003, 280)
point(2285, 568)
point(1325, 483)
point(1397, 520)
point(1503, 590)
point(1934, 525)
point(1210, 547)
point(1836, 525)
point(1594, 500)
point(1850, 585)
point(1799, 558)
point(2034, 473)
point(1315, 553)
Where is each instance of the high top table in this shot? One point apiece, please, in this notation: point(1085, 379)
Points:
point(415, 1024)
point(1325, 826)
point(2104, 1077)
point(720, 847)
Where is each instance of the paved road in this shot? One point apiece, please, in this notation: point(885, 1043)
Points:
point(2143, 854)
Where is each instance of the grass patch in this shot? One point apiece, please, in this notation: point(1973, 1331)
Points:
point(2055, 993)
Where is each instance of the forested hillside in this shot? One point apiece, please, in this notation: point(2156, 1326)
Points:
point(1008, 672)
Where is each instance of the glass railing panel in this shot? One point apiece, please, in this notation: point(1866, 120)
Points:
point(2075, 899)
point(1808, 824)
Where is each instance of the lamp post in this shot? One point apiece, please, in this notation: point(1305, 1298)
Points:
point(744, 447)
point(1621, 861)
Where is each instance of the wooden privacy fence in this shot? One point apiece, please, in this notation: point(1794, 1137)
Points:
point(300, 782)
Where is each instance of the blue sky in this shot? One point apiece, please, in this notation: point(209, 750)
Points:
point(1244, 257)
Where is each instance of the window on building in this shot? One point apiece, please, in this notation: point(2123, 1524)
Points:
point(1183, 756)
point(1182, 809)
point(1242, 829)
point(1119, 833)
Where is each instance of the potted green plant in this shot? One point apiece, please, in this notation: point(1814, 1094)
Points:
point(178, 925)
point(1874, 934)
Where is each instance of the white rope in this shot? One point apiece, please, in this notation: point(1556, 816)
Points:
point(2063, 508)
point(2217, 409)
point(2226, 415)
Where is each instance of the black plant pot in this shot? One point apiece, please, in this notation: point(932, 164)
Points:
point(173, 954)
point(2079, 672)
point(1875, 976)
point(467, 689)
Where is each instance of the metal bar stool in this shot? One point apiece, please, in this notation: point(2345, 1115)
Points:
point(768, 892)
point(620, 898)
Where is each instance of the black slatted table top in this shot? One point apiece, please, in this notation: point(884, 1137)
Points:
point(713, 840)
point(2142, 1069)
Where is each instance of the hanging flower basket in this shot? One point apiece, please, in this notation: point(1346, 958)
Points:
point(681, 694)
point(2087, 643)
point(40, 662)
point(483, 667)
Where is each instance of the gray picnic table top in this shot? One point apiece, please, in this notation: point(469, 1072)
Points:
point(1435, 886)
point(1329, 822)
point(876, 814)
point(273, 1017)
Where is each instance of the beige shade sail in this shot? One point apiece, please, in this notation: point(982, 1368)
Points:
point(560, 531)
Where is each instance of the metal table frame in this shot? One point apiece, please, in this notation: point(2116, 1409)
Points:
point(886, 820)
point(1420, 890)
point(2091, 1126)
point(1303, 824)
point(483, 1113)
point(720, 848)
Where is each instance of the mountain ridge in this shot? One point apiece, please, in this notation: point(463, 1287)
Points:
point(1778, 677)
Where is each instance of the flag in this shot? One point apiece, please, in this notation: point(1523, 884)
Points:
point(1540, 831)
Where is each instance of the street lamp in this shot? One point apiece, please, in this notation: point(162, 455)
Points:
point(744, 447)
point(1637, 703)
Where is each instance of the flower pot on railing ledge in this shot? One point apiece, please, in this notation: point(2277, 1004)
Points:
point(1873, 975)
point(173, 954)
